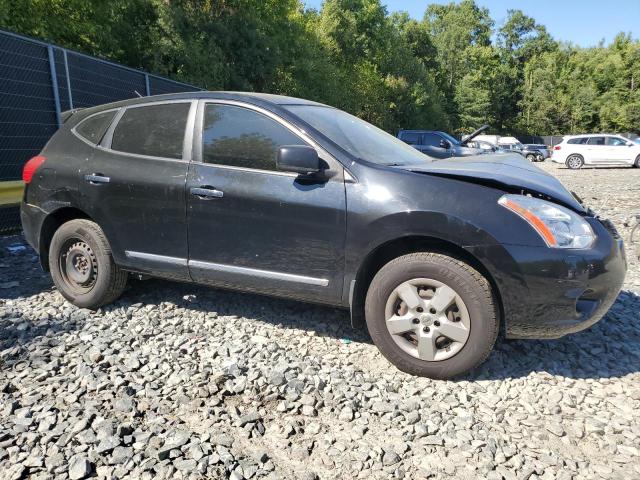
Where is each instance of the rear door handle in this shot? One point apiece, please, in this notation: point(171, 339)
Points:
point(96, 178)
point(206, 192)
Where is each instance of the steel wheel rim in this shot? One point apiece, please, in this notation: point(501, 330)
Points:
point(78, 265)
point(574, 162)
point(427, 319)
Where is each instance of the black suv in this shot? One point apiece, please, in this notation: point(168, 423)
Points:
point(288, 197)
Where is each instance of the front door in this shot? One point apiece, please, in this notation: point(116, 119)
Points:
point(435, 146)
point(134, 187)
point(256, 228)
point(619, 152)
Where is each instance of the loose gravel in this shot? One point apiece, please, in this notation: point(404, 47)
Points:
point(180, 381)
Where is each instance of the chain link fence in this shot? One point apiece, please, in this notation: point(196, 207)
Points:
point(38, 81)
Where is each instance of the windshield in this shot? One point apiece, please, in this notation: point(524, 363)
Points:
point(451, 139)
point(358, 137)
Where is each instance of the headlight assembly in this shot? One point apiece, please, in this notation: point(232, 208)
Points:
point(559, 227)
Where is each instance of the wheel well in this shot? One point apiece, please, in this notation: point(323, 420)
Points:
point(51, 223)
point(386, 252)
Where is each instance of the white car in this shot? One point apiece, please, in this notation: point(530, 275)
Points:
point(601, 149)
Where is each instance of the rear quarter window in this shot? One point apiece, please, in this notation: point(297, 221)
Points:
point(152, 130)
point(93, 128)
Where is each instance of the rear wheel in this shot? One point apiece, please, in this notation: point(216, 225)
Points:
point(637, 162)
point(575, 161)
point(531, 157)
point(82, 267)
point(431, 315)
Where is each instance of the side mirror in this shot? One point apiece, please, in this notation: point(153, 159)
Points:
point(444, 144)
point(298, 158)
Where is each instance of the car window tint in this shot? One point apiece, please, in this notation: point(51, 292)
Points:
point(596, 141)
point(412, 138)
point(578, 141)
point(241, 137)
point(154, 130)
point(94, 128)
point(616, 141)
point(432, 139)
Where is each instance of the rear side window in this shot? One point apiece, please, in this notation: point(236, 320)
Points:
point(240, 137)
point(596, 141)
point(578, 141)
point(412, 138)
point(153, 130)
point(93, 128)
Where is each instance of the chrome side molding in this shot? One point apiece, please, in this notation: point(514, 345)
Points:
point(152, 257)
point(254, 272)
point(219, 267)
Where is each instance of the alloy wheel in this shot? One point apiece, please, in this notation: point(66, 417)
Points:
point(427, 319)
point(574, 162)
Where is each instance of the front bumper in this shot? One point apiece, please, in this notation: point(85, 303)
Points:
point(549, 293)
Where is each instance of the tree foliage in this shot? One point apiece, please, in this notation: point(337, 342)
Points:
point(454, 69)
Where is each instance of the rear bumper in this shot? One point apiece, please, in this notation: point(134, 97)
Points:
point(549, 293)
point(32, 218)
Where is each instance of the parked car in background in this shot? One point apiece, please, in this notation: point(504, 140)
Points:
point(531, 153)
point(439, 144)
point(537, 147)
point(485, 146)
point(283, 196)
point(595, 150)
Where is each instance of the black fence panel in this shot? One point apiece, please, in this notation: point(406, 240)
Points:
point(38, 81)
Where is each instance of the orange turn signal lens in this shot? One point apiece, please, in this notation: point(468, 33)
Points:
point(532, 219)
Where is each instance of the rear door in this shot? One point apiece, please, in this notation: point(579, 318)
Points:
point(256, 228)
point(134, 186)
point(596, 150)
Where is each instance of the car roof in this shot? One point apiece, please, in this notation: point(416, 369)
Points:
point(261, 99)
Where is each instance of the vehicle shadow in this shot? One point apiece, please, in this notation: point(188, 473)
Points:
point(609, 349)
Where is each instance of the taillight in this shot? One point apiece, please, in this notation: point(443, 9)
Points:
point(30, 168)
point(557, 147)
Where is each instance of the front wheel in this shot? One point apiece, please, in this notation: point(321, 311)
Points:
point(431, 315)
point(575, 162)
point(637, 162)
point(82, 267)
point(531, 157)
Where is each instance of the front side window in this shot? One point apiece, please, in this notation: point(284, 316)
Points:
point(240, 137)
point(596, 141)
point(94, 128)
point(432, 140)
point(616, 142)
point(152, 130)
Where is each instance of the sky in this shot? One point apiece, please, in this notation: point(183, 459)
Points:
point(581, 22)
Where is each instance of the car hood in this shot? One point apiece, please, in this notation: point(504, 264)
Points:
point(509, 171)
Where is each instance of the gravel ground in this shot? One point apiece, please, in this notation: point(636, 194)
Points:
point(181, 381)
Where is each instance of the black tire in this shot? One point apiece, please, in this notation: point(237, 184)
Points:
point(637, 162)
point(474, 290)
point(575, 161)
point(531, 157)
point(89, 278)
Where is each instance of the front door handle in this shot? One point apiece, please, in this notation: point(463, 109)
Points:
point(206, 192)
point(96, 178)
